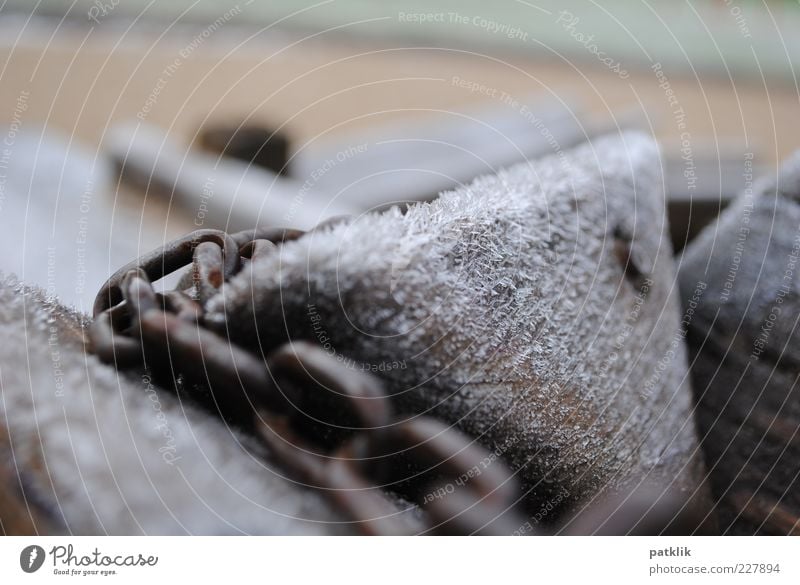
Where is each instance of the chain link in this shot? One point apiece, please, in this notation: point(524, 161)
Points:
point(329, 427)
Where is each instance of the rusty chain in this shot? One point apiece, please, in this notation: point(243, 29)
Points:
point(369, 461)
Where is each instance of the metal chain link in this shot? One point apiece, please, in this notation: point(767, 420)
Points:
point(365, 460)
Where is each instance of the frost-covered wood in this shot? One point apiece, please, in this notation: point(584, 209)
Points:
point(535, 309)
point(740, 279)
point(97, 451)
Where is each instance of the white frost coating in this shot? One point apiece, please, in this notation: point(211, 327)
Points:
point(89, 442)
point(506, 301)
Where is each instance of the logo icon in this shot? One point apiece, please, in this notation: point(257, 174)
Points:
point(31, 558)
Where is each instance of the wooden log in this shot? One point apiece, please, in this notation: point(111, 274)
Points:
point(740, 281)
point(218, 192)
point(535, 309)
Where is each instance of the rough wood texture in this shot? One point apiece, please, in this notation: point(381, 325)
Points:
point(108, 453)
point(745, 351)
point(518, 307)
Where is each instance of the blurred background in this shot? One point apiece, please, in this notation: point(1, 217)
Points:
point(227, 114)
